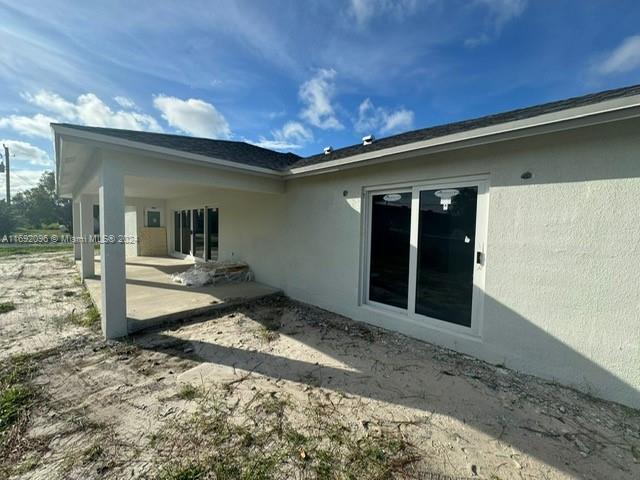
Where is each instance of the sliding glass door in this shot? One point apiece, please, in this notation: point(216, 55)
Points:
point(446, 246)
point(185, 231)
point(198, 232)
point(425, 250)
point(195, 232)
point(390, 229)
point(212, 234)
point(176, 232)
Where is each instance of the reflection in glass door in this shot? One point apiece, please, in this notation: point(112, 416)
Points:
point(446, 254)
point(424, 256)
point(176, 231)
point(389, 266)
point(212, 234)
point(195, 232)
point(186, 231)
point(198, 233)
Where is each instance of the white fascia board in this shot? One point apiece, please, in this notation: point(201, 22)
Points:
point(170, 152)
point(603, 112)
point(56, 152)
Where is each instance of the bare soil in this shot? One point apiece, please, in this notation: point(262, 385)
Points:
point(278, 389)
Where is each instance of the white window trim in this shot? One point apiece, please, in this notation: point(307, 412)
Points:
point(409, 315)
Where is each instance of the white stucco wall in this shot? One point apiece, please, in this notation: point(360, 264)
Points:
point(131, 229)
point(562, 277)
point(250, 228)
point(562, 272)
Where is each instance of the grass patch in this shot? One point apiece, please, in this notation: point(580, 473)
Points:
point(84, 457)
point(92, 454)
point(92, 316)
point(268, 331)
point(17, 396)
point(89, 318)
point(257, 438)
point(188, 472)
point(15, 392)
point(40, 231)
point(33, 249)
point(6, 307)
point(266, 335)
point(189, 392)
point(28, 464)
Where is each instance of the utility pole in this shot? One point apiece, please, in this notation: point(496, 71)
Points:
point(6, 172)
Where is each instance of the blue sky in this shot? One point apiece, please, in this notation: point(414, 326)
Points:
point(296, 75)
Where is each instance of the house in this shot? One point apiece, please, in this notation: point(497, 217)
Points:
point(513, 237)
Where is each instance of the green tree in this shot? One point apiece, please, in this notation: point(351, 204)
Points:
point(40, 205)
point(8, 220)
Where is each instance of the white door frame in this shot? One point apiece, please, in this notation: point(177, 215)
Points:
point(479, 181)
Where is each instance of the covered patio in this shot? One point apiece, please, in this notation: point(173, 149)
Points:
point(153, 299)
point(130, 188)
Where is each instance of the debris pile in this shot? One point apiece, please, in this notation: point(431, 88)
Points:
point(217, 273)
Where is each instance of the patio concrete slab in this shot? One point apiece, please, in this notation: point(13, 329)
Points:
point(153, 299)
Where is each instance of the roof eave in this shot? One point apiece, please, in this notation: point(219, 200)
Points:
point(604, 112)
point(163, 151)
point(56, 154)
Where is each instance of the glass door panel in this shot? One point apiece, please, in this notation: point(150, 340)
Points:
point(186, 231)
point(176, 231)
point(446, 254)
point(212, 228)
point(390, 248)
point(198, 233)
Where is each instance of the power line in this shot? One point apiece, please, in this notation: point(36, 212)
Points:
point(7, 170)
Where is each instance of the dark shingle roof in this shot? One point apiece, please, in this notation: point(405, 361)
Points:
point(239, 152)
point(457, 127)
point(245, 153)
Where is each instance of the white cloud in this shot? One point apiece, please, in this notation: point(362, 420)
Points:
point(481, 39)
point(25, 152)
point(365, 10)
point(624, 58)
point(291, 136)
point(378, 119)
point(22, 180)
point(500, 13)
point(317, 94)
point(87, 109)
point(193, 116)
point(35, 126)
point(125, 102)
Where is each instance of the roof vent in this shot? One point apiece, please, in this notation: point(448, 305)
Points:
point(368, 140)
point(328, 150)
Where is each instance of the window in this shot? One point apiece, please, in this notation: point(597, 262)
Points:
point(425, 251)
point(153, 218)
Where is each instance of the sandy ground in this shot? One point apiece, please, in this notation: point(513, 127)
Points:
point(103, 405)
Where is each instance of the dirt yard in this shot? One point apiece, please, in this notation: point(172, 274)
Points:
point(274, 389)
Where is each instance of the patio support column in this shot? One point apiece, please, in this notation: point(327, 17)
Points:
point(112, 251)
point(75, 215)
point(87, 269)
